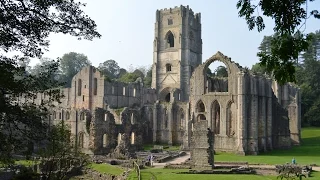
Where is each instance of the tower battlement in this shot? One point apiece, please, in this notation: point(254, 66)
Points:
point(184, 11)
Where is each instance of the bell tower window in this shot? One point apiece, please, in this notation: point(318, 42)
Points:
point(168, 67)
point(170, 39)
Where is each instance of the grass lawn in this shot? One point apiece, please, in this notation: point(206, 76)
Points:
point(107, 168)
point(25, 162)
point(168, 174)
point(307, 153)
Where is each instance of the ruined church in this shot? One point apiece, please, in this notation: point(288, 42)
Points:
point(246, 113)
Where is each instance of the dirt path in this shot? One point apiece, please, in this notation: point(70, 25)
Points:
point(177, 160)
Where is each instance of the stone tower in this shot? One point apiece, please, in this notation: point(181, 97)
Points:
point(177, 51)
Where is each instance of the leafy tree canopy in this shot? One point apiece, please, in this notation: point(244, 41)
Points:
point(288, 42)
point(24, 27)
point(110, 68)
point(72, 63)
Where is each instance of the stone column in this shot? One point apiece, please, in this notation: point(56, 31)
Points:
point(263, 116)
point(294, 112)
point(269, 114)
point(253, 131)
point(155, 120)
point(170, 121)
point(186, 129)
point(242, 117)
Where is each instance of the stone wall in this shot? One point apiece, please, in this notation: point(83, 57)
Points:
point(202, 146)
point(251, 115)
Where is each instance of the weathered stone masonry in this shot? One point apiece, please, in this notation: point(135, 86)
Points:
point(246, 113)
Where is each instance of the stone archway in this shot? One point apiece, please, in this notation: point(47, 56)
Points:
point(215, 117)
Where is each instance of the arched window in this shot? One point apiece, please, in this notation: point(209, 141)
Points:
point(132, 118)
point(168, 67)
point(170, 39)
point(134, 92)
point(230, 120)
point(83, 116)
point(165, 119)
point(200, 107)
point(181, 119)
point(119, 138)
point(105, 117)
point(81, 139)
point(105, 140)
point(167, 98)
point(95, 86)
point(54, 115)
point(79, 87)
point(67, 115)
point(132, 138)
point(215, 115)
point(201, 117)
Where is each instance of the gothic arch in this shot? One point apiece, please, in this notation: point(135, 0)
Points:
point(67, 115)
point(215, 116)
point(133, 138)
point(83, 116)
point(230, 119)
point(168, 67)
point(165, 94)
point(169, 39)
point(81, 139)
point(201, 117)
point(105, 140)
point(181, 118)
point(165, 118)
point(218, 57)
point(200, 107)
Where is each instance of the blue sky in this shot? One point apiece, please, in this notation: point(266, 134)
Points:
point(127, 29)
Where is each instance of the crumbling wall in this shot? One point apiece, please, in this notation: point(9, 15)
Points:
point(102, 132)
point(202, 154)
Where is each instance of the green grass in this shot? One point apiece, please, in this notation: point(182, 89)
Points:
point(148, 147)
point(107, 168)
point(168, 174)
point(307, 153)
point(25, 162)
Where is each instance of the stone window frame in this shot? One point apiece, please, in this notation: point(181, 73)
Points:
point(168, 67)
point(79, 87)
point(169, 39)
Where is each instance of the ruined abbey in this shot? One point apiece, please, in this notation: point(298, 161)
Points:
point(246, 113)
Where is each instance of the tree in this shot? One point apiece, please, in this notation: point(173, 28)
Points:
point(110, 68)
point(25, 27)
point(122, 71)
point(129, 77)
point(139, 73)
point(308, 73)
point(258, 69)
point(61, 156)
point(44, 66)
point(72, 63)
point(148, 79)
point(221, 71)
point(288, 42)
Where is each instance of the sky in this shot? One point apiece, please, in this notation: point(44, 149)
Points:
point(127, 29)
